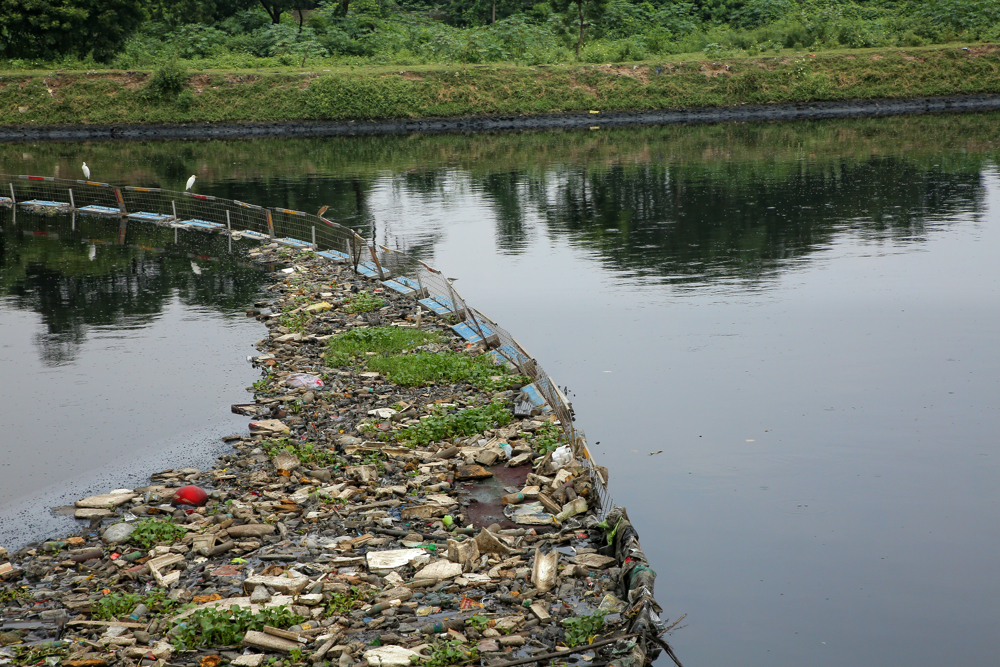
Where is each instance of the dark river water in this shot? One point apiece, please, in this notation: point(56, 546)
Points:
point(784, 338)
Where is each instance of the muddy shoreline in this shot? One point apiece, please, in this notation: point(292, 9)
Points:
point(359, 522)
point(567, 121)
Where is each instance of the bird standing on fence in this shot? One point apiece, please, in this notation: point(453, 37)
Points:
point(86, 171)
point(191, 182)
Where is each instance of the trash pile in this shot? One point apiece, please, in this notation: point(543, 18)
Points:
point(398, 500)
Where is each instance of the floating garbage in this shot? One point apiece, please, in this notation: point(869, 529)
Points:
point(303, 380)
point(190, 495)
point(561, 457)
point(345, 540)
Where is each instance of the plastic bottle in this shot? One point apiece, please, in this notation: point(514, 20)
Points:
point(512, 498)
point(443, 626)
point(140, 611)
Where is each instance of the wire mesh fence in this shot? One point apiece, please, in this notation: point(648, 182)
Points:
point(305, 231)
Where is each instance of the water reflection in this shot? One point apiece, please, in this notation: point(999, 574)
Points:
point(677, 204)
point(75, 275)
point(686, 226)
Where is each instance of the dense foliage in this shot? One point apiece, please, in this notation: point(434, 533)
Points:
point(255, 33)
point(49, 29)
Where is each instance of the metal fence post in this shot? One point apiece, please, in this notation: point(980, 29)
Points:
point(314, 237)
point(173, 206)
point(121, 200)
point(72, 204)
point(13, 196)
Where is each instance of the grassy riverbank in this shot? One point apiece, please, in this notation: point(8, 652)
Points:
point(383, 92)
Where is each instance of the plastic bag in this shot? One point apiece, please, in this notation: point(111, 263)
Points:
point(303, 380)
point(561, 457)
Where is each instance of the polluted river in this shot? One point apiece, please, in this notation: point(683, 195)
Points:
point(777, 340)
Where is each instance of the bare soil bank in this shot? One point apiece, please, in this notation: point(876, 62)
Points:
point(773, 112)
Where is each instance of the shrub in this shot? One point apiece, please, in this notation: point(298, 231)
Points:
point(167, 81)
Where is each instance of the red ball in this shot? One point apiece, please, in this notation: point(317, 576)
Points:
point(190, 495)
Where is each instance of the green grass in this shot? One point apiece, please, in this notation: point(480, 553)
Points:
point(444, 425)
point(342, 348)
point(383, 92)
point(423, 368)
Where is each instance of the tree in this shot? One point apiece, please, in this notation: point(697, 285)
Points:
point(275, 8)
point(54, 28)
point(585, 9)
point(177, 12)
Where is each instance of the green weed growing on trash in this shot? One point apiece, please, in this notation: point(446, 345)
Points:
point(343, 603)
point(47, 653)
point(295, 323)
point(448, 652)
point(580, 629)
point(305, 452)
point(226, 627)
point(149, 532)
point(363, 302)
point(8, 595)
point(113, 605)
point(116, 605)
point(478, 622)
point(547, 438)
point(376, 459)
point(444, 425)
point(380, 340)
point(424, 368)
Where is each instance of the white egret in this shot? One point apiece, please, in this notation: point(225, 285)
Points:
point(196, 269)
point(86, 171)
point(191, 182)
point(92, 252)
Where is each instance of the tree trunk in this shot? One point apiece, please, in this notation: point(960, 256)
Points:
point(275, 13)
point(298, 6)
point(579, 42)
point(345, 4)
point(494, 13)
